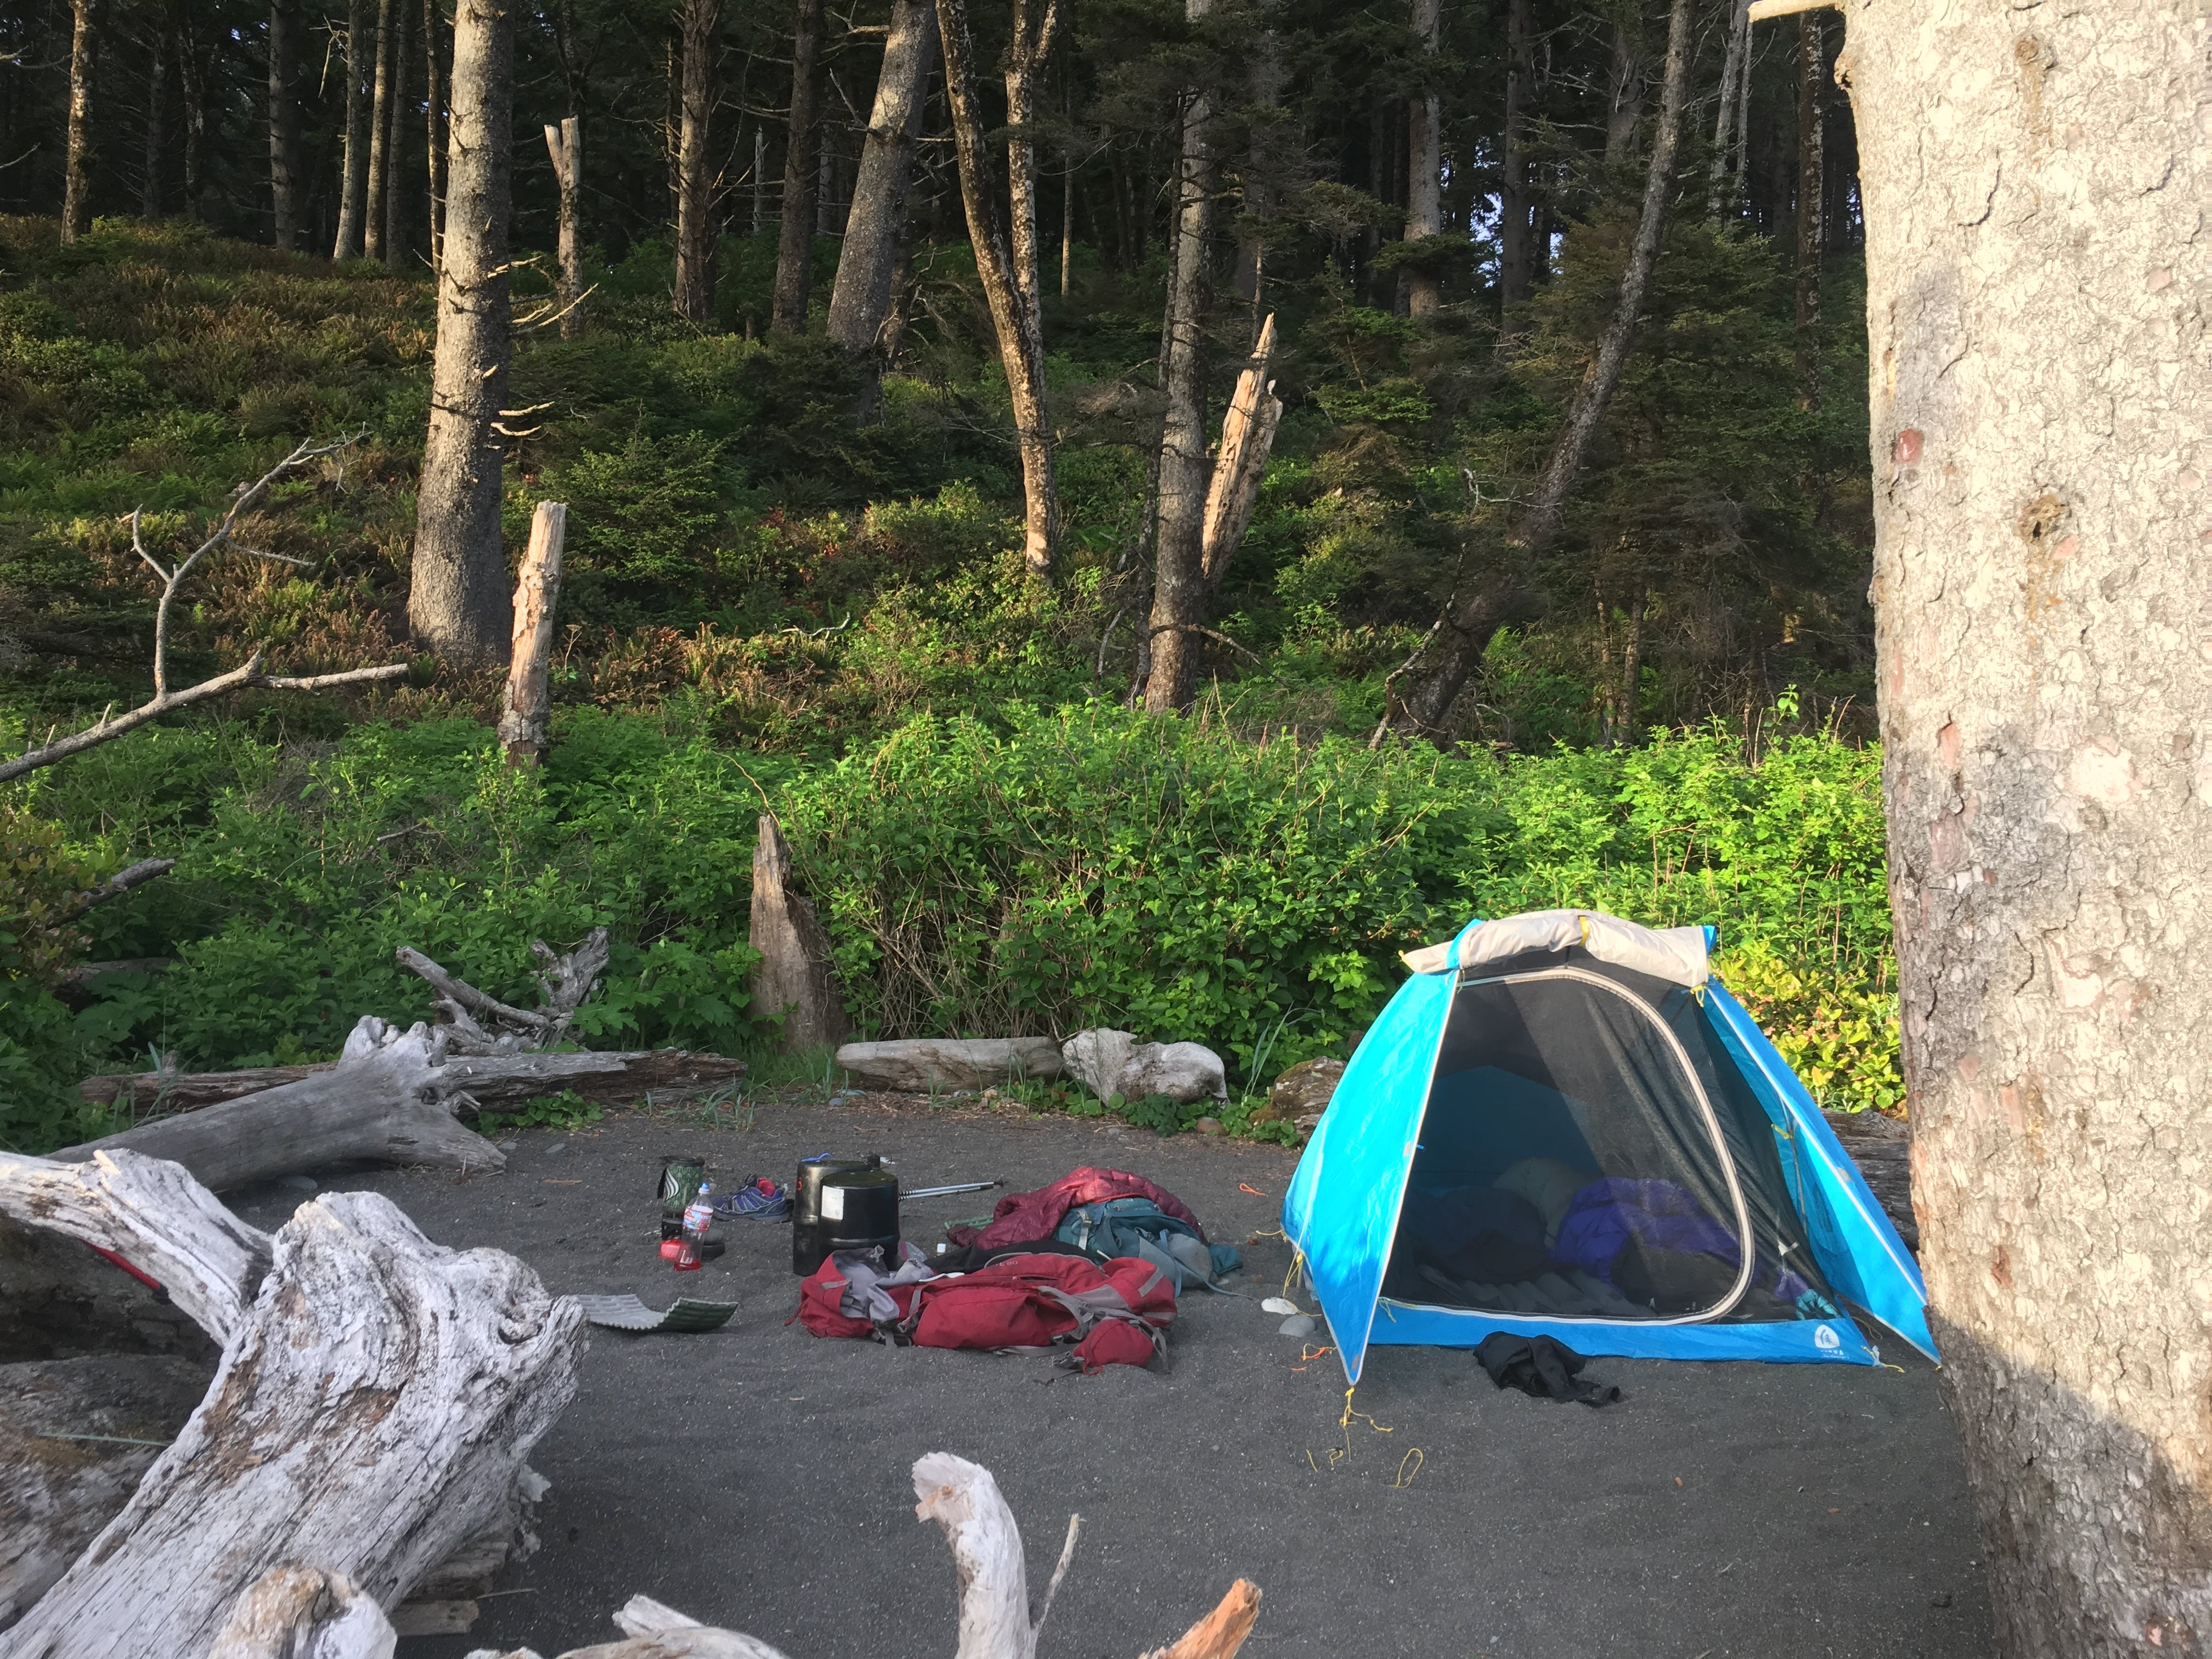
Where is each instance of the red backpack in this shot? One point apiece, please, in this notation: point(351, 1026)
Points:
point(1113, 1314)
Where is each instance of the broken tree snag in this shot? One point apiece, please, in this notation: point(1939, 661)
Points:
point(293, 1612)
point(563, 984)
point(1247, 435)
point(371, 1416)
point(529, 704)
point(793, 977)
point(154, 1216)
point(1221, 1632)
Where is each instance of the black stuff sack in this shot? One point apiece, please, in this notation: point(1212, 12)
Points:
point(1542, 1368)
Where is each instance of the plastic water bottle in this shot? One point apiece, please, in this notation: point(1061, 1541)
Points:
point(698, 1216)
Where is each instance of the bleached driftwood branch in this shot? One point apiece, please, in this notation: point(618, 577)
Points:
point(247, 673)
point(964, 1499)
point(563, 984)
point(369, 1419)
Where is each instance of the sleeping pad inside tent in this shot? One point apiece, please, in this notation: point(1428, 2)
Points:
point(1563, 1125)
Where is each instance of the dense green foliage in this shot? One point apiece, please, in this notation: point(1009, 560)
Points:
point(1058, 870)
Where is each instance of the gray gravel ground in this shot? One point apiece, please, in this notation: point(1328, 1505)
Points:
point(758, 1477)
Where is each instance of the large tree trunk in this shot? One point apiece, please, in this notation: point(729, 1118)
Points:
point(353, 179)
point(875, 230)
point(1811, 71)
point(458, 604)
point(693, 297)
point(379, 135)
point(1418, 288)
point(794, 251)
point(1471, 618)
point(1517, 252)
point(1179, 585)
point(376, 1397)
point(76, 160)
point(2041, 421)
point(1012, 298)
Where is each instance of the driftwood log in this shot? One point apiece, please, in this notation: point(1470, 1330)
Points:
point(631, 1077)
point(392, 1098)
point(369, 1420)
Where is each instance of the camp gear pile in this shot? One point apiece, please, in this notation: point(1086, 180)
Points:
point(1112, 1314)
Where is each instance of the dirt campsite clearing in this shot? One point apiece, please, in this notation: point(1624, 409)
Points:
point(758, 1477)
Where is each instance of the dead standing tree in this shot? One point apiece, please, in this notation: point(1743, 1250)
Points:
point(247, 673)
point(876, 228)
point(1006, 261)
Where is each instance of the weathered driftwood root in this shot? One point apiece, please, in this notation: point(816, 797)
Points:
point(375, 1400)
point(76, 1436)
point(563, 983)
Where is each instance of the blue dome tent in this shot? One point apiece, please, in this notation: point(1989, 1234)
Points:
point(1563, 1125)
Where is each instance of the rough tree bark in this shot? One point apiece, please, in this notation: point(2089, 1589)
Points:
point(286, 171)
point(1517, 253)
point(1418, 289)
point(2041, 427)
point(376, 1397)
point(1470, 618)
point(794, 250)
point(76, 160)
point(565, 144)
point(694, 294)
point(353, 175)
point(458, 602)
point(876, 229)
point(1811, 71)
point(1009, 290)
point(1178, 587)
point(379, 133)
point(529, 704)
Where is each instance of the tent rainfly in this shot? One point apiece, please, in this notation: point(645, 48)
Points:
point(1563, 1125)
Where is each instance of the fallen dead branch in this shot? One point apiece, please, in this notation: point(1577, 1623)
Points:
point(247, 673)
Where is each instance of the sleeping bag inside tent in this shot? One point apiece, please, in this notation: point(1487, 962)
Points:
point(1563, 1125)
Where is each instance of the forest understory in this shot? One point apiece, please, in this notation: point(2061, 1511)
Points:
point(816, 579)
